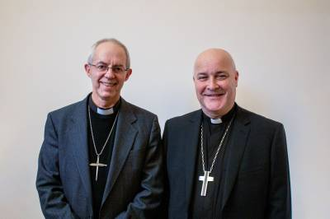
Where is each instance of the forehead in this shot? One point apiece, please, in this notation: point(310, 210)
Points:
point(213, 61)
point(110, 52)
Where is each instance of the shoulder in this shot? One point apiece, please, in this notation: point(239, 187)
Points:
point(68, 109)
point(61, 118)
point(136, 110)
point(141, 118)
point(183, 119)
point(256, 120)
point(66, 113)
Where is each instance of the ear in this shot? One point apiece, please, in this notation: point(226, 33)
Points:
point(236, 78)
point(128, 74)
point(87, 69)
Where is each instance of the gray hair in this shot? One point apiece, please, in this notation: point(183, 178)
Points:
point(111, 40)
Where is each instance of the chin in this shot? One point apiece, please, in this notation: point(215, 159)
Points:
point(215, 109)
point(106, 96)
point(214, 106)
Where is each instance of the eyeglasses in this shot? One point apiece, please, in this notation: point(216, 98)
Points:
point(102, 68)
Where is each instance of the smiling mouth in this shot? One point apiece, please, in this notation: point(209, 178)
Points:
point(213, 95)
point(109, 84)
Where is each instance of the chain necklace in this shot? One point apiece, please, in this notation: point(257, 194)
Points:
point(207, 178)
point(98, 164)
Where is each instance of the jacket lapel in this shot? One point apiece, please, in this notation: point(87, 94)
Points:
point(124, 139)
point(235, 152)
point(78, 133)
point(192, 142)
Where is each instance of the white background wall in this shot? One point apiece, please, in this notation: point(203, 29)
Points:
point(281, 50)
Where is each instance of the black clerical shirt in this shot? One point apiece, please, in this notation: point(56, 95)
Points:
point(101, 128)
point(208, 206)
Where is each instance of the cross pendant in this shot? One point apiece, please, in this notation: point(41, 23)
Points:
point(97, 165)
point(206, 179)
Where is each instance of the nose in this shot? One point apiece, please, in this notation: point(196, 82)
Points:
point(109, 73)
point(212, 84)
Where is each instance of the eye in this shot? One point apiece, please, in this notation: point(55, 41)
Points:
point(202, 77)
point(221, 76)
point(102, 67)
point(117, 69)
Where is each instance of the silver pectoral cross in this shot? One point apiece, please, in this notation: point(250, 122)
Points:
point(97, 165)
point(206, 179)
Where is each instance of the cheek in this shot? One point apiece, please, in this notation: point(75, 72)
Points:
point(227, 87)
point(199, 88)
point(232, 87)
point(95, 81)
point(96, 77)
point(121, 81)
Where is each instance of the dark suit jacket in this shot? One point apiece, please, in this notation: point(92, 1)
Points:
point(134, 185)
point(256, 174)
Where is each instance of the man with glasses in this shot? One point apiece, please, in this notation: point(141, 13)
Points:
point(101, 157)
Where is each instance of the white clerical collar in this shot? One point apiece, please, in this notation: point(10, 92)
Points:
point(216, 121)
point(105, 112)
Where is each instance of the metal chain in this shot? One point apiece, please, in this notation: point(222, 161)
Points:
point(219, 147)
point(105, 143)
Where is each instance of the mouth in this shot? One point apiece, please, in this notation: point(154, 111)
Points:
point(108, 83)
point(214, 95)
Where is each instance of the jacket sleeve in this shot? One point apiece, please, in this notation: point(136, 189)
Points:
point(279, 206)
point(147, 202)
point(52, 199)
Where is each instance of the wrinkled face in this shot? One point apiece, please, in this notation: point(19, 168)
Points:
point(107, 82)
point(215, 81)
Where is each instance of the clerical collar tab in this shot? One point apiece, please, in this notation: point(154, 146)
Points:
point(105, 112)
point(216, 121)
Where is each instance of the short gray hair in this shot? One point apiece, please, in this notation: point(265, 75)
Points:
point(111, 40)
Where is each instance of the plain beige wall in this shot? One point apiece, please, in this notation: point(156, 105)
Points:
point(281, 50)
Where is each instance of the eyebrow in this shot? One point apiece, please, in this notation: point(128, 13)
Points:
point(201, 73)
point(218, 72)
point(101, 62)
point(221, 72)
